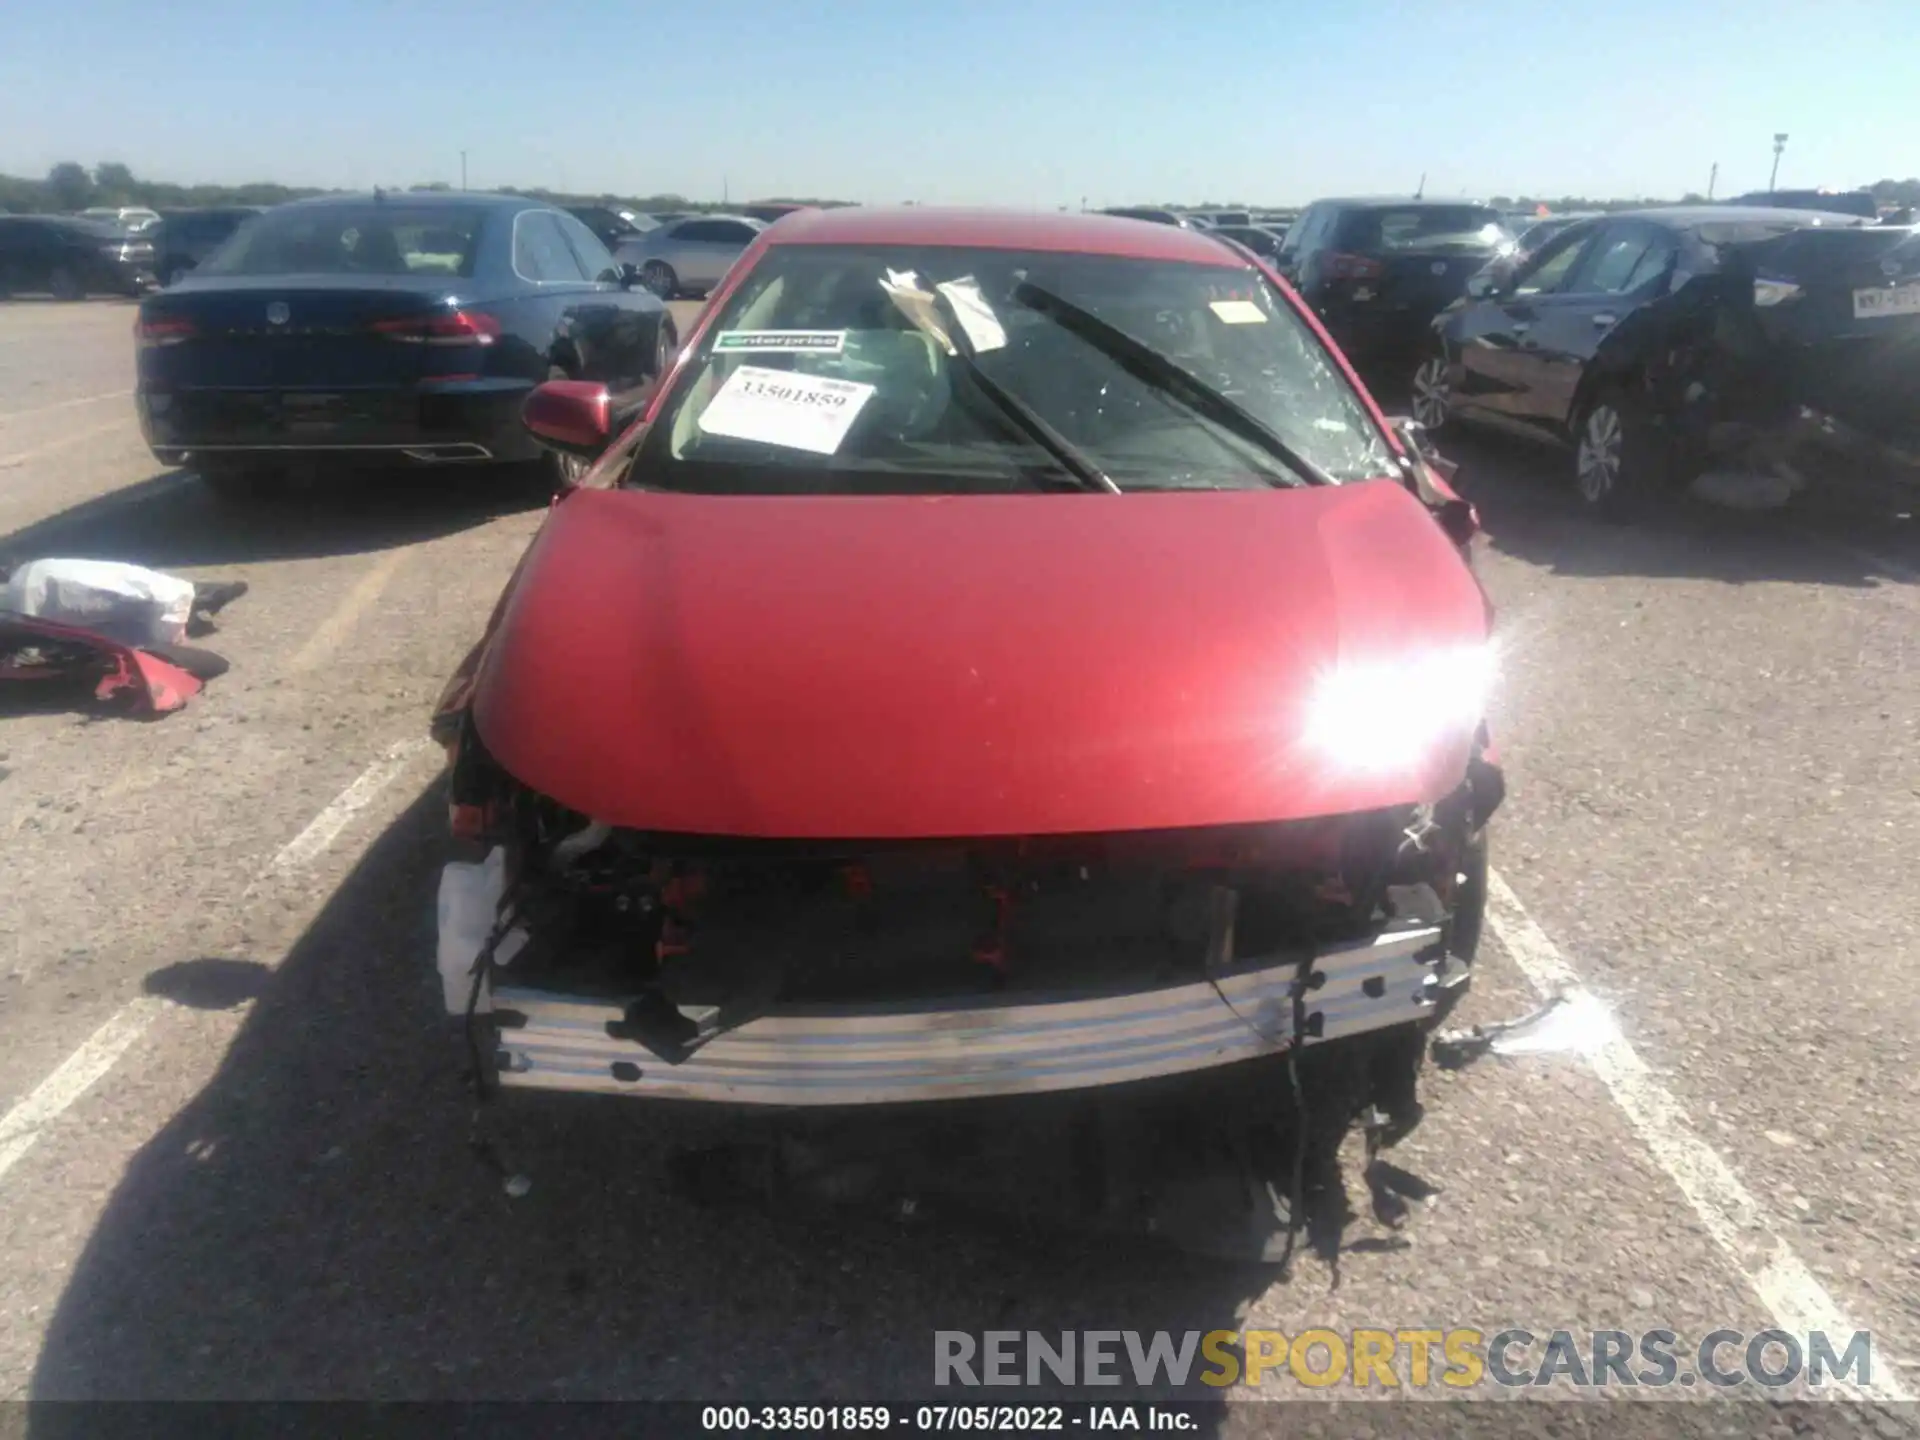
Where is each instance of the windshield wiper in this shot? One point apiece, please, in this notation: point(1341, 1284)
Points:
point(1152, 368)
point(1072, 459)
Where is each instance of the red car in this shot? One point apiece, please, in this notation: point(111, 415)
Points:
point(1011, 653)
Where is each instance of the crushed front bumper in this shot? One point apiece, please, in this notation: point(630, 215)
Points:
point(817, 1056)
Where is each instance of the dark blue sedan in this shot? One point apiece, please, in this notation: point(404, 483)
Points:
point(390, 327)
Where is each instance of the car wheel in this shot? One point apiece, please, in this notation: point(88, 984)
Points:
point(1433, 394)
point(64, 285)
point(1620, 456)
point(666, 342)
point(658, 277)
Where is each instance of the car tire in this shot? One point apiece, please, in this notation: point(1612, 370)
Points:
point(658, 277)
point(666, 344)
point(1431, 401)
point(64, 285)
point(1622, 459)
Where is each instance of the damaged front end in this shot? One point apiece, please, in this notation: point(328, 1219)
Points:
point(589, 957)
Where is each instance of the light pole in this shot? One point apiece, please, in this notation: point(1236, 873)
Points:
point(1779, 144)
point(463, 169)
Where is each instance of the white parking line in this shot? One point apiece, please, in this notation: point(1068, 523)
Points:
point(65, 442)
point(65, 405)
point(327, 825)
point(23, 1125)
point(1799, 1303)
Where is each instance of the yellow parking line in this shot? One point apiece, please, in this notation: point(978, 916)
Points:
point(335, 628)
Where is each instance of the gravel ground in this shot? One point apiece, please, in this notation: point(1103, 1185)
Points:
point(1709, 727)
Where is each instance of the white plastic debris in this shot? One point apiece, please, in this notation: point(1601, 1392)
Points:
point(469, 908)
point(518, 1186)
point(128, 603)
point(1573, 1024)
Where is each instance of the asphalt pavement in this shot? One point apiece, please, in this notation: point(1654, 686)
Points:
point(236, 1152)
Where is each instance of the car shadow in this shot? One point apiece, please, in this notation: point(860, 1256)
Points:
point(331, 1217)
point(1858, 536)
point(171, 519)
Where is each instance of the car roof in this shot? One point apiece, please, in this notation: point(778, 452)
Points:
point(1067, 231)
point(452, 199)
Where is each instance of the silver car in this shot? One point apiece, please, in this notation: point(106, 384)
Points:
point(688, 256)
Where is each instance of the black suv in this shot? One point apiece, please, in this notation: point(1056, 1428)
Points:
point(1662, 343)
point(1378, 271)
point(69, 258)
point(184, 238)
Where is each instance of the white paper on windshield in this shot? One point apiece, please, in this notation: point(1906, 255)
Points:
point(808, 342)
point(1238, 312)
point(976, 317)
point(780, 407)
point(903, 289)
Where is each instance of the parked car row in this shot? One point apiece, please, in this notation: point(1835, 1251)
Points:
point(1660, 344)
point(1655, 345)
point(1264, 220)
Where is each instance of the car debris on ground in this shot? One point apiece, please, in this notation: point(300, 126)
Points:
point(117, 625)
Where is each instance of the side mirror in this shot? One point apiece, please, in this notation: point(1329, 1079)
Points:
point(1482, 286)
point(570, 416)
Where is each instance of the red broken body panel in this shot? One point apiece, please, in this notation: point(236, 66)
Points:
point(906, 666)
point(145, 683)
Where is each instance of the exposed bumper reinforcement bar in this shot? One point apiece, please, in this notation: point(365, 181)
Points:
point(891, 1053)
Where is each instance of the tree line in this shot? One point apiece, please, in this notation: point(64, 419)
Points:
point(70, 186)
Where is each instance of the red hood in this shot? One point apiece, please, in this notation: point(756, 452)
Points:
point(902, 666)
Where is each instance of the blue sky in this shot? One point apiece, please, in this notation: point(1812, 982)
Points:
point(1022, 102)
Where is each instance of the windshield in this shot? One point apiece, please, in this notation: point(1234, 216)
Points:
point(829, 371)
point(380, 238)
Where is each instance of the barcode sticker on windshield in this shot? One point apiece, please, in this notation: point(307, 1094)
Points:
point(1238, 312)
point(780, 407)
point(751, 342)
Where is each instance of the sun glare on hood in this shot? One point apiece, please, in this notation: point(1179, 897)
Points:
point(1387, 715)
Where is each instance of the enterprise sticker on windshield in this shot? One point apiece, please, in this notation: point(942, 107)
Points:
point(779, 407)
point(1238, 312)
point(762, 342)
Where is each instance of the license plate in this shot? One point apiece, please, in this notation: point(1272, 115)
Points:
point(304, 412)
point(1895, 300)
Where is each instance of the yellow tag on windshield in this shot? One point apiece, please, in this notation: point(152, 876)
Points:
point(1238, 312)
